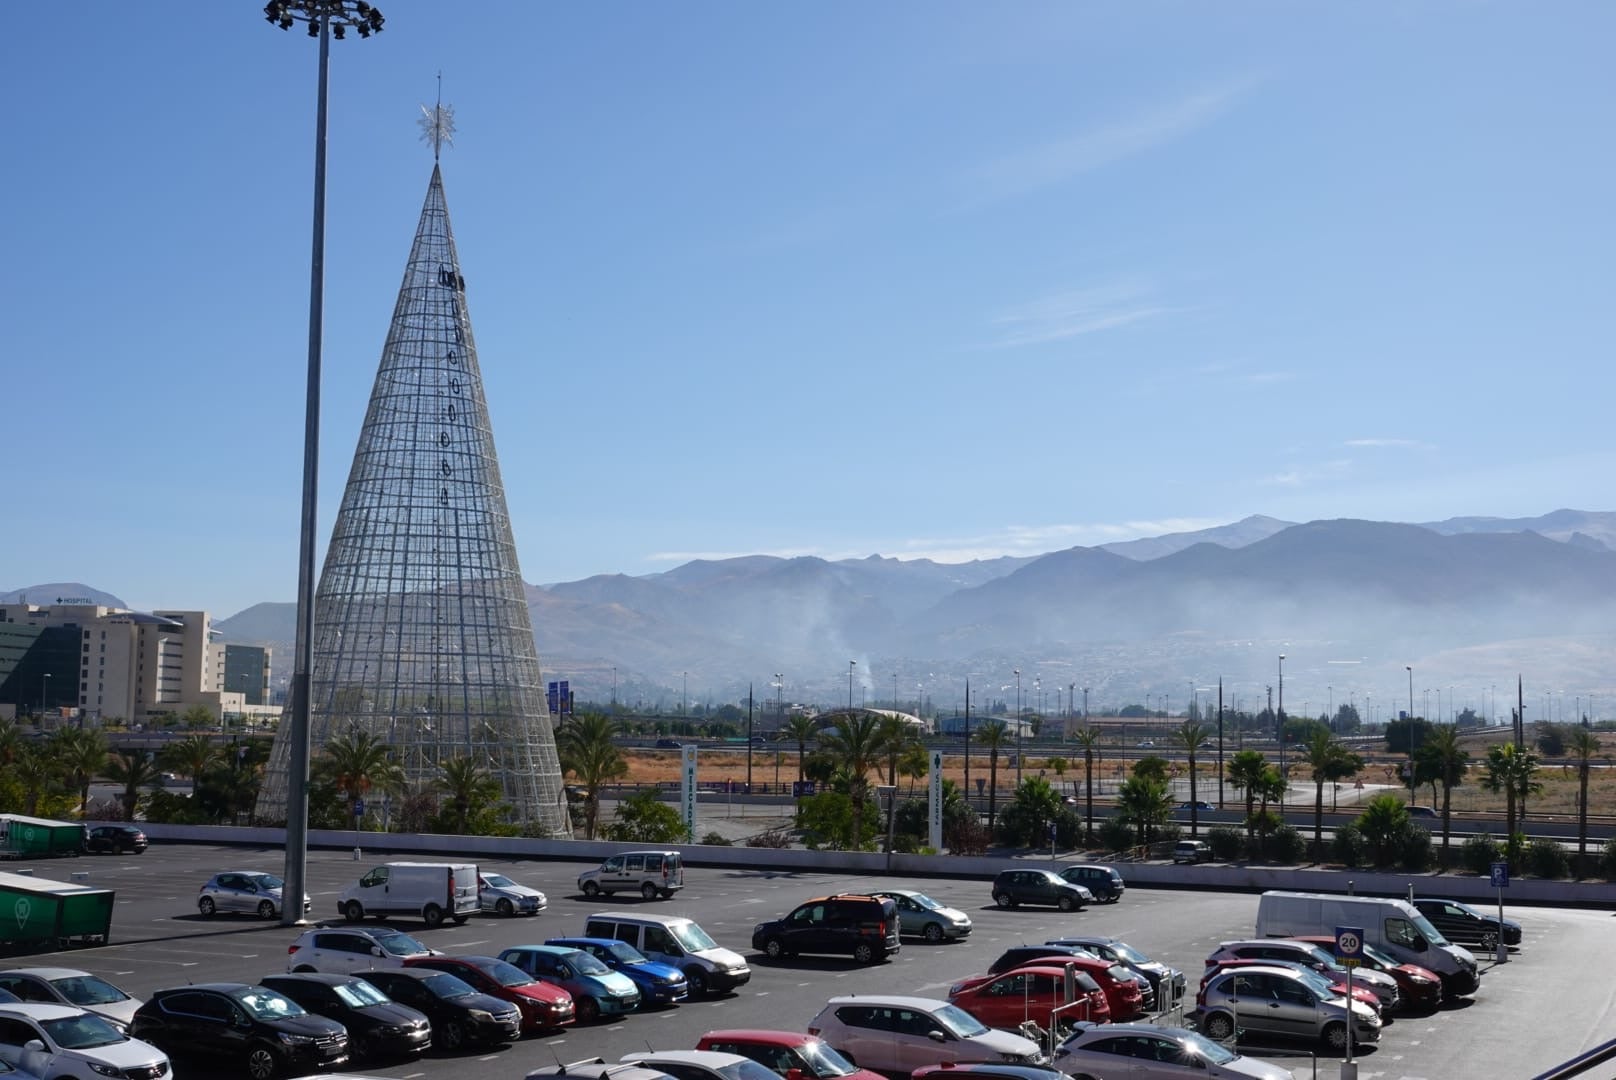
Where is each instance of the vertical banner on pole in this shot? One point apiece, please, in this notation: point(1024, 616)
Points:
point(687, 790)
point(934, 802)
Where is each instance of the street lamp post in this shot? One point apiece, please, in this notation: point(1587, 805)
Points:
point(684, 695)
point(1018, 728)
point(851, 664)
point(326, 19)
point(1408, 731)
point(1279, 719)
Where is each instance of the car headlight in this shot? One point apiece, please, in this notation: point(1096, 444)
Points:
point(482, 1016)
point(1421, 980)
point(105, 1070)
point(296, 1040)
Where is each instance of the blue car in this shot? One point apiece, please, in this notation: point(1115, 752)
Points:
point(596, 989)
point(660, 984)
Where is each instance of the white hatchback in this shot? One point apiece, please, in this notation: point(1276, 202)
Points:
point(895, 1034)
point(351, 950)
point(70, 986)
point(59, 1041)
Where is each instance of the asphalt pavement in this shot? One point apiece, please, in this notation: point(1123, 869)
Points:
point(1545, 1005)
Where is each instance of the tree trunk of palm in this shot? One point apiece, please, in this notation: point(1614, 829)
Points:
point(1582, 806)
point(1447, 804)
point(1509, 817)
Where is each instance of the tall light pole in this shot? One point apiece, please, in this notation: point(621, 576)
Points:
point(851, 664)
point(779, 699)
point(684, 695)
point(1409, 731)
point(1279, 719)
point(326, 19)
point(895, 707)
point(614, 687)
point(1018, 728)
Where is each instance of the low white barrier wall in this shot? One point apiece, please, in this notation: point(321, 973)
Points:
point(375, 847)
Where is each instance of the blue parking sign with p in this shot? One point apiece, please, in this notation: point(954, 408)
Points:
point(1500, 875)
point(1349, 944)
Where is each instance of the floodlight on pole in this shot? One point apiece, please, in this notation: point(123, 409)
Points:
point(1018, 728)
point(325, 19)
point(1408, 730)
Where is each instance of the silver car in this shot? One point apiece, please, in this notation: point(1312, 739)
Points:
point(502, 896)
point(921, 916)
point(1279, 1001)
point(252, 892)
point(1152, 1052)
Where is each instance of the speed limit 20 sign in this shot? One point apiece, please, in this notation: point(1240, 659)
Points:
point(1349, 945)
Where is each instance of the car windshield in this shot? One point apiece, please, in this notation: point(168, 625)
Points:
point(262, 1004)
point(1318, 981)
point(1380, 958)
point(587, 964)
point(747, 1069)
point(691, 937)
point(624, 953)
point(446, 986)
point(926, 902)
point(88, 990)
point(360, 994)
point(1129, 953)
point(959, 1023)
point(396, 944)
point(266, 881)
point(823, 1060)
point(82, 1032)
point(1431, 934)
point(1205, 1048)
point(508, 974)
point(498, 881)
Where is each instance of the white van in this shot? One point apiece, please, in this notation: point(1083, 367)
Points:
point(1393, 926)
point(675, 940)
point(434, 891)
point(649, 873)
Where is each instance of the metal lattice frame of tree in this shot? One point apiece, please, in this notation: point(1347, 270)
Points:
point(422, 635)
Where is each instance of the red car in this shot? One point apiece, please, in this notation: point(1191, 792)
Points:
point(1359, 993)
point(792, 1054)
point(542, 1005)
point(1029, 993)
point(1421, 989)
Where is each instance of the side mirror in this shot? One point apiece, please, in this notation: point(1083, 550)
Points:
point(35, 1045)
point(376, 950)
point(936, 1036)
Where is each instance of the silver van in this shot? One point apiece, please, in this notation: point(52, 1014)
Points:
point(677, 941)
point(649, 873)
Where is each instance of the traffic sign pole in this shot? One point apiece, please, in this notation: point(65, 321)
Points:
point(1349, 949)
point(1500, 876)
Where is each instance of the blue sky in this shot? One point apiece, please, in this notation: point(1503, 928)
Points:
point(941, 279)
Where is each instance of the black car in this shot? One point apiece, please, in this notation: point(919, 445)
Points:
point(262, 1032)
point(459, 1014)
point(1014, 887)
point(115, 840)
point(379, 1028)
point(1464, 924)
point(1021, 955)
point(863, 927)
point(1103, 881)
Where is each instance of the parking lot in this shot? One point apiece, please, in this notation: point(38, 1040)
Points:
point(1553, 999)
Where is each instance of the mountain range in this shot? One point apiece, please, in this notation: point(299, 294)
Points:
point(1466, 602)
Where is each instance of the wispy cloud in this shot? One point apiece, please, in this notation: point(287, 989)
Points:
point(1077, 312)
point(1061, 159)
point(1300, 476)
point(1264, 378)
point(1393, 444)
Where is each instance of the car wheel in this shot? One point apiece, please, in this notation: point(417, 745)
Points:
point(460, 920)
point(773, 949)
point(205, 906)
point(1066, 903)
point(1219, 1027)
point(591, 889)
point(262, 1063)
point(433, 915)
point(505, 908)
point(452, 1037)
point(302, 969)
point(119, 850)
point(648, 891)
point(1335, 1036)
point(933, 932)
point(864, 953)
point(266, 909)
point(588, 1010)
point(353, 911)
point(1003, 900)
point(1489, 940)
point(697, 979)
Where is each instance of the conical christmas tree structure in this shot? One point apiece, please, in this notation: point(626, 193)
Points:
point(422, 637)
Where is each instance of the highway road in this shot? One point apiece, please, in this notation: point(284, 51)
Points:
point(1549, 1002)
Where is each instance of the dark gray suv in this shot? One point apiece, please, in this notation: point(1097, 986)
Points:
point(1013, 887)
point(1103, 881)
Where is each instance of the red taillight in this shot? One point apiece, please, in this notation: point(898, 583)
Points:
point(290, 949)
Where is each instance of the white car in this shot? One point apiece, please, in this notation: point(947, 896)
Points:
point(69, 986)
point(253, 892)
point(1152, 1052)
point(896, 1034)
point(352, 950)
point(58, 1042)
point(700, 1065)
point(502, 896)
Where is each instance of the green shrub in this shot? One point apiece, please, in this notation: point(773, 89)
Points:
point(1117, 835)
point(1414, 849)
point(1478, 854)
point(1607, 860)
point(1170, 833)
point(1069, 828)
point(1547, 859)
point(1225, 842)
point(1349, 848)
point(714, 839)
point(1286, 845)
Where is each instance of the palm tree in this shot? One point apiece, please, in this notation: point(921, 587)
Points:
point(1584, 746)
point(894, 735)
point(588, 752)
point(469, 787)
point(1446, 762)
point(992, 735)
point(1089, 741)
point(1192, 735)
point(914, 764)
point(191, 756)
point(855, 744)
point(36, 770)
point(1330, 761)
point(81, 754)
point(10, 741)
point(1245, 775)
point(1512, 770)
point(1271, 787)
point(800, 729)
point(134, 769)
point(1383, 821)
point(358, 762)
point(1146, 803)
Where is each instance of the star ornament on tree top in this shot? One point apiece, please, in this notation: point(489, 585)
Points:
point(437, 126)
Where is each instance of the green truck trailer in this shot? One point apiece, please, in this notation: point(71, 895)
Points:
point(35, 838)
point(37, 911)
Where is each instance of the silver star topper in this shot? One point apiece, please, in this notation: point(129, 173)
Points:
point(437, 126)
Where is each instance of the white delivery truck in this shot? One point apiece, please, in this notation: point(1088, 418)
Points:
point(1393, 926)
point(434, 891)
